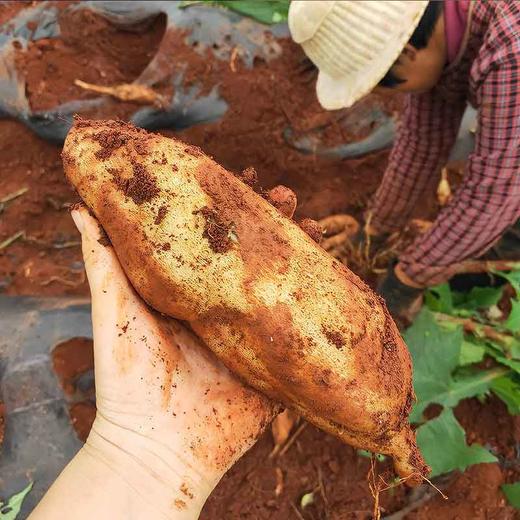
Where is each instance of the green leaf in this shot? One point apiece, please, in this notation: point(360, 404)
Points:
point(509, 348)
point(435, 351)
point(471, 352)
point(515, 349)
point(482, 297)
point(513, 278)
point(513, 321)
point(456, 389)
point(507, 389)
point(436, 354)
point(10, 509)
point(511, 363)
point(368, 455)
point(443, 443)
point(265, 11)
point(439, 299)
point(512, 493)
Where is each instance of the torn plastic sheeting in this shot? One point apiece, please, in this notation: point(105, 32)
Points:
point(216, 29)
point(365, 117)
point(39, 438)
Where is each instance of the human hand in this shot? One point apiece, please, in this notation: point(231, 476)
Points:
point(170, 418)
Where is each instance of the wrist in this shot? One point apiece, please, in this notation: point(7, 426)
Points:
point(404, 278)
point(162, 478)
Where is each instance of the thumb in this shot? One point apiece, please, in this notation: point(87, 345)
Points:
point(109, 287)
point(104, 272)
point(110, 291)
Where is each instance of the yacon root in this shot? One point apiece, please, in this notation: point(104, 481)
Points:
point(201, 246)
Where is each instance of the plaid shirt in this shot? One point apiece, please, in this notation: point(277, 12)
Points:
point(488, 200)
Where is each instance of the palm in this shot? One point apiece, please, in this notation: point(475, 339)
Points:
point(155, 378)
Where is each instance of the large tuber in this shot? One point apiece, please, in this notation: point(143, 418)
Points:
point(199, 245)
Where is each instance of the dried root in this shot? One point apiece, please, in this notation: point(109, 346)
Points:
point(127, 92)
point(444, 189)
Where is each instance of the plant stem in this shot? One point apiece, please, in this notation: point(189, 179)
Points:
point(478, 329)
point(8, 241)
point(13, 195)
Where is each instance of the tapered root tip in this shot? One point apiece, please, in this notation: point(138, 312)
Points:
point(408, 461)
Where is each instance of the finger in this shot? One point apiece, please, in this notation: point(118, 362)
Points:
point(104, 272)
point(283, 199)
point(110, 290)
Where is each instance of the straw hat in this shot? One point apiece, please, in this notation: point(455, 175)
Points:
point(353, 43)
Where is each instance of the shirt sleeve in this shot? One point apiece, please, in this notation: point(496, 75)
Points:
point(488, 200)
point(426, 133)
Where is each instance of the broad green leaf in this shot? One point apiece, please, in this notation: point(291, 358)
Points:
point(10, 509)
point(463, 304)
point(510, 350)
point(456, 389)
point(511, 363)
point(458, 298)
point(435, 351)
point(512, 493)
point(482, 297)
point(436, 354)
point(507, 388)
point(439, 299)
point(443, 444)
point(513, 321)
point(471, 352)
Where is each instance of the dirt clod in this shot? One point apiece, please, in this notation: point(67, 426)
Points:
point(216, 231)
point(163, 211)
point(248, 176)
point(141, 188)
point(109, 140)
point(334, 337)
point(312, 228)
point(283, 199)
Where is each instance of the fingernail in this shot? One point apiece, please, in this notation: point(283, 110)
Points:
point(78, 220)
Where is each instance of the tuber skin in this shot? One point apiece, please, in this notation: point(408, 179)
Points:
point(275, 308)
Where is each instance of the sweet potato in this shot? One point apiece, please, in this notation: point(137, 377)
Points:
point(282, 314)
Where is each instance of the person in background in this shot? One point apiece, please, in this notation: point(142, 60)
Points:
point(443, 54)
